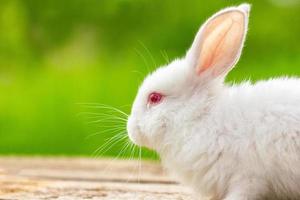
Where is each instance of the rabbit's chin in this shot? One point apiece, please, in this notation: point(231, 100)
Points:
point(139, 139)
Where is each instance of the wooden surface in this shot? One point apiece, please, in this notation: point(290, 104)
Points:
point(83, 178)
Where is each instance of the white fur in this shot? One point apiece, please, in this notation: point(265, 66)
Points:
point(239, 142)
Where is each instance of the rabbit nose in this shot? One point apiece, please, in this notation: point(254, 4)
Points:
point(134, 132)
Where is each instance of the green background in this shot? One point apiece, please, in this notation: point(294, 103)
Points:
point(56, 54)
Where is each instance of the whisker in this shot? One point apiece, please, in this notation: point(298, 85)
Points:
point(112, 141)
point(138, 72)
point(140, 164)
point(102, 151)
point(165, 56)
point(149, 53)
point(111, 130)
point(107, 120)
point(92, 115)
point(132, 151)
point(108, 107)
point(112, 125)
point(122, 151)
point(143, 58)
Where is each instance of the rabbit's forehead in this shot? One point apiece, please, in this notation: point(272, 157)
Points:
point(167, 79)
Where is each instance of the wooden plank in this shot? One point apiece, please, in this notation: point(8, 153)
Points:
point(83, 178)
point(89, 169)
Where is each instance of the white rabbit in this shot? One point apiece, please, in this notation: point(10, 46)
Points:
point(239, 142)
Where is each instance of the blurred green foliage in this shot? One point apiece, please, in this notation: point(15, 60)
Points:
point(55, 54)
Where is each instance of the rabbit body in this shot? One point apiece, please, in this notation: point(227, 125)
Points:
point(247, 141)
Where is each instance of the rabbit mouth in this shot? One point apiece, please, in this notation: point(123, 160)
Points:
point(134, 132)
point(135, 137)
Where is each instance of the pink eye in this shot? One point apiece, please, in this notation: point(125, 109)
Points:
point(154, 98)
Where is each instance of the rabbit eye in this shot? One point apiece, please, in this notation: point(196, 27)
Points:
point(154, 98)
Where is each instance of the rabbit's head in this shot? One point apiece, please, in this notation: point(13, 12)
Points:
point(175, 96)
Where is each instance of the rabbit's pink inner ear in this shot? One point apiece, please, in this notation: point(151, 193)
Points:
point(222, 41)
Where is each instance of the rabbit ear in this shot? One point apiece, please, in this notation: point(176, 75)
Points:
point(218, 45)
